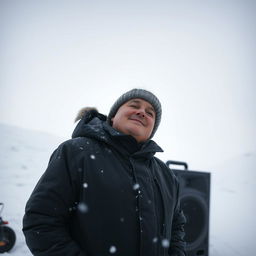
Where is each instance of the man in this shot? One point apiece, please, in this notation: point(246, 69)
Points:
point(104, 192)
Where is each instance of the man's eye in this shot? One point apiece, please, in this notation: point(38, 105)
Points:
point(134, 106)
point(150, 114)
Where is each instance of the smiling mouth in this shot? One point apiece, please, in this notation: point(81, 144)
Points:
point(137, 121)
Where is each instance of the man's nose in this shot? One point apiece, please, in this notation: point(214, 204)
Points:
point(141, 113)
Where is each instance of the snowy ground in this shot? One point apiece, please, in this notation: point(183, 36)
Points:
point(24, 156)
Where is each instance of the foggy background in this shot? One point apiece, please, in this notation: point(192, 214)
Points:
point(198, 57)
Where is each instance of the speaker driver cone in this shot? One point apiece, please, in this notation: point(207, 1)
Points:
point(195, 210)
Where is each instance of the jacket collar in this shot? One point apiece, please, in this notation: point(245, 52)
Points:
point(148, 148)
point(94, 125)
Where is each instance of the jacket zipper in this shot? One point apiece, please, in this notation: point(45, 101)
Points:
point(162, 233)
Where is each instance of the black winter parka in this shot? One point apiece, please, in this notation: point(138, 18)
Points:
point(105, 194)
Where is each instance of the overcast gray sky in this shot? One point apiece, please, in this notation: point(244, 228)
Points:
point(198, 57)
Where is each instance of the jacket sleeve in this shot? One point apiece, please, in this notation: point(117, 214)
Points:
point(47, 213)
point(177, 245)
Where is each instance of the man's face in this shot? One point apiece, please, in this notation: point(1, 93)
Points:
point(136, 117)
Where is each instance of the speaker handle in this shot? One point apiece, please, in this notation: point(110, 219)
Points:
point(168, 163)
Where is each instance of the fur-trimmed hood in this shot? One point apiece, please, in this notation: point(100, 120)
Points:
point(89, 119)
point(82, 112)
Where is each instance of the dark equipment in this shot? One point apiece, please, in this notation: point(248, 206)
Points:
point(195, 203)
point(7, 235)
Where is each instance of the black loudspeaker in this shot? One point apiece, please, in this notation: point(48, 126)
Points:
point(195, 203)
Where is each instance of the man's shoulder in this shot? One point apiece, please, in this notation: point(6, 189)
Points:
point(160, 163)
point(164, 168)
point(77, 144)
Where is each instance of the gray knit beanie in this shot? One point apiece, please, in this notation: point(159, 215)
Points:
point(141, 94)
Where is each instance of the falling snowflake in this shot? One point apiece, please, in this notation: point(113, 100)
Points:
point(81, 148)
point(82, 207)
point(101, 171)
point(79, 169)
point(85, 185)
point(108, 150)
point(155, 239)
point(112, 249)
point(136, 186)
point(165, 243)
point(122, 219)
point(92, 157)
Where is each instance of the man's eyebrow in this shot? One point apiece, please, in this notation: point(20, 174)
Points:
point(135, 101)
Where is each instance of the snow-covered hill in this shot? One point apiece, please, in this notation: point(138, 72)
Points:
point(24, 156)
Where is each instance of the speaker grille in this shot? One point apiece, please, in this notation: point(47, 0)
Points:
point(196, 213)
